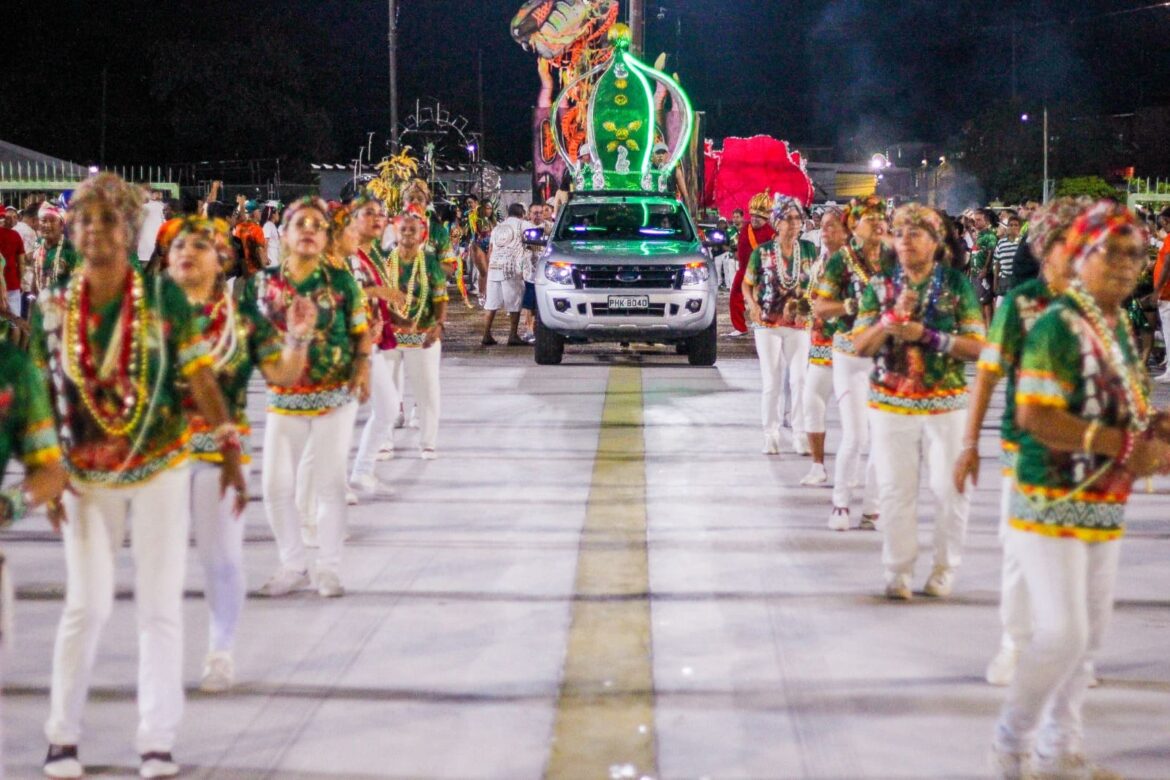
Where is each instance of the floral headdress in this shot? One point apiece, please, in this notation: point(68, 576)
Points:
point(1050, 223)
point(782, 204)
point(1095, 226)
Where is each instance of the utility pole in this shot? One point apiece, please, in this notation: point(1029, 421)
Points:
point(393, 51)
point(638, 25)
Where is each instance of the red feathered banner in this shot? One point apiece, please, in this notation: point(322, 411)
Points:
point(748, 166)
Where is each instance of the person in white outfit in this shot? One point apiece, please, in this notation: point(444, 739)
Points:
point(505, 282)
point(239, 340)
point(818, 379)
point(1088, 431)
point(838, 298)
point(775, 289)
point(318, 412)
point(921, 323)
point(418, 322)
point(125, 442)
point(1000, 359)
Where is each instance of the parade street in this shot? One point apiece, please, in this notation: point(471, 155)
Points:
point(600, 577)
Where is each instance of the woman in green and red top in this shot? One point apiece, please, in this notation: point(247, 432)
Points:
point(838, 297)
point(114, 345)
point(318, 411)
point(1088, 430)
point(818, 378)
point(920, 322)
point(239, 341)
point(775, 288)
point(1000, 359)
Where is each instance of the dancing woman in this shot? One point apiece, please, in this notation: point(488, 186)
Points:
point(239, 340)
point(1000, 359)
point(838, 296)
point(818, 379)
point(318, 412)
point(775, 287)
point(114, 345)
point(921, 322)
point(1088, 431)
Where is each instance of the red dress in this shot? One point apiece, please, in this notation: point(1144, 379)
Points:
point(749, 240)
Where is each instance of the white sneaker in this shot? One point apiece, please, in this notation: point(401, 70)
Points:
point(62, 762)
point(898, 588)
point(284, 582)
point(309, 535)
point(370, 486)
point(800, 444)
point(329, 585)
point(219, 672)
point(941, 582)
point(385, 454)
point(869, 521)
point(158, 765)
point(1002, 669)
point(428, 455)
point(350, 498)
point(771, 444)
point(816, 476)
point(1010, 766)
point(1069, 766)
point(839, 519)
point(1163, 379)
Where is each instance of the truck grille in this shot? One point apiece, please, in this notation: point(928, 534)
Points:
point(628, 277)
point(655, 310)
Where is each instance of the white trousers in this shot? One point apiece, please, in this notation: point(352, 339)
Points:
point(384, 401)
point(159, 518)
point(1014, 606)
point(219, 537)
point(727, 266)
point(901, 443)
point(818, 388)
point(779, 349)
point(422, 374)
point(851, 386)
point(286, 438)
point(1071, 585)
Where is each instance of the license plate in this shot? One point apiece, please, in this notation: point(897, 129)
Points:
point(629, 302)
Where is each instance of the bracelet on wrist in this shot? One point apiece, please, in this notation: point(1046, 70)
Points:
point(227, 437)
point(1128, 443)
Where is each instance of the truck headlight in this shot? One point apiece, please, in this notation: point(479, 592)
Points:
point(695, 273)
point(559, 273)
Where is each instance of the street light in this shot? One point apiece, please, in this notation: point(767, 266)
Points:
point(1024, 118)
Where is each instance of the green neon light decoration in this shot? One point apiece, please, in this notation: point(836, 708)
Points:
point(621, 124)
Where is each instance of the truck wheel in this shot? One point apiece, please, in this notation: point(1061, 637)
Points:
point(682, 348)
point(703, 349)
point(550, 347)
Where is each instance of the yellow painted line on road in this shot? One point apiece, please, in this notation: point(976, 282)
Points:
point(605, 712)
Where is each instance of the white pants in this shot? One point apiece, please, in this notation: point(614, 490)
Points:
point(818, 387)
point(1071, 585)
point(14, 301)
point(901, 443)
point(851, 386)
point(1014, 606)
point(384, 401)
point(422, 373)
point(159, 518)
point(727, 266)
point(780, 349)
point(286, 438)
point(219, 536)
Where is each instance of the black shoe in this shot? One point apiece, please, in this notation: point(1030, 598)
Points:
point(62, 762)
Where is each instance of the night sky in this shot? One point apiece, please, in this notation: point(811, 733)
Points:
point(848, 72)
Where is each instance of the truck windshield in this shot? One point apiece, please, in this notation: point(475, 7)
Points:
point(630, 221)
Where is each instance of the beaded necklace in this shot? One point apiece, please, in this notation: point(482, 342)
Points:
point(124, 367)
point(289, 289)
point(417, 277)
point(895, 285)
point(222, 327)
point(1136, 398)
point(787, 271)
